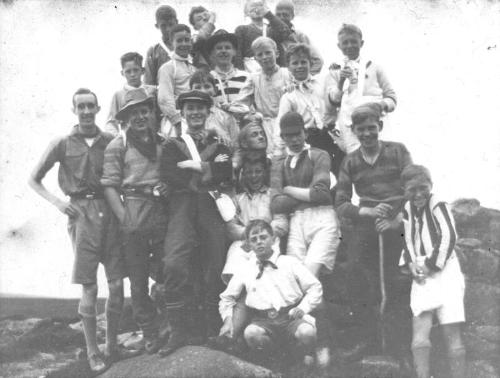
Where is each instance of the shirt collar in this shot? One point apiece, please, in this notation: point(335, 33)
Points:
point(262, 190)
point(305, 148)
point(189, 59)
point(227, 74)
point(274, 257)
point(75, 132)
point(275, 69)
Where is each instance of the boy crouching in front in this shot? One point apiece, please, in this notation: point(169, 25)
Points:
point(281, 292)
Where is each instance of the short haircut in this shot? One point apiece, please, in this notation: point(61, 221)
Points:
point(258, 225)
point(202, 76)
point(370, 110)
point(350, 29)
point(180, 28)
point(194, 11)
point(131, 57)
point(165, 12)
point(296, 49)
point(286, 4)
point(413, 171)
point(81, 91)
point(264, 41)
point(252, 118)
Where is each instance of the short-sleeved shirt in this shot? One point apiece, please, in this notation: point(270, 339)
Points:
point(80, 165)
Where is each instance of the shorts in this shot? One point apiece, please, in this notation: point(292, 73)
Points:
point(314, 236)
point(442, 293)
point(280, 329)
point(95, 237)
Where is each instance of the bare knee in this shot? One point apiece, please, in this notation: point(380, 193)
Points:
point(256, 337)
point(89, 292)
point(306, 334)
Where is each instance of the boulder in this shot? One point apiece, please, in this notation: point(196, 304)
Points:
point(190, 361)
point(478, 264)
point(482, 303)
point(482, 369)
point(12, 328)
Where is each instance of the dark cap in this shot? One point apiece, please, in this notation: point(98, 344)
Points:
point(133, 98)
point(197, 96)
point(219, 36)
point(291, 123)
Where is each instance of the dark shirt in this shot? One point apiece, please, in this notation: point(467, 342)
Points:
point(80, 166)
point(374, 184)
point(213, 175)
point(155, 58)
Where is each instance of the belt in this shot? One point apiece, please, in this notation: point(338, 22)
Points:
point(87, 195)
point(272, 313)
point(144, 191)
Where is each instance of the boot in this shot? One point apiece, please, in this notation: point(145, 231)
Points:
point(178, 333)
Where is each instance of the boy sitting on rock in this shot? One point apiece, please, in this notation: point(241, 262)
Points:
point(280, 292)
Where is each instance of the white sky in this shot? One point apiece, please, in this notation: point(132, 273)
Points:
point(443, 58)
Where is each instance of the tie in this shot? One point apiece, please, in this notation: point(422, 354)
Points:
point(263, 264)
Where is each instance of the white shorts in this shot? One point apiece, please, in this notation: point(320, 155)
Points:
point(442, 293)
point(314, 236)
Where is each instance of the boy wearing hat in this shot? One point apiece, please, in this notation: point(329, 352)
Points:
point(300, 181)
point(280, 292)
point(221, 49)
point(374, 171)
point(196, 166)
point(174, 78)
point(132, 71)
point(355, 82)
point(132, 171)
point(157, 55)
point(92, 227)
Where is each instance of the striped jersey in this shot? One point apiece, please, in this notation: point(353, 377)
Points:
point(229, 84)
point(428, 232)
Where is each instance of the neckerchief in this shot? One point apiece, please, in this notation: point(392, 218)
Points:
point(188, 60)
point(164, 46)
point(305, 85)
point(199, 136)
point(147, 149)
point(295, 155)
point(263, 264)
point(225, 75)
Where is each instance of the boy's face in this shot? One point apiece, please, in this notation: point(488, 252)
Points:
point(200, 19)
point(261, 242)
point(139, 118)
point(182, 43)
point(132, 73)
point(367, 132)
point(253, 176)
point(299, 66)
point(295, 141)
point(204, 87)
point(165, 26)
point(85, 107)
point(284, 14)
point(223, 53)
point(350, 44)
point(418, 192)
point(195, 113)
point(266, 56)
point(255, 138)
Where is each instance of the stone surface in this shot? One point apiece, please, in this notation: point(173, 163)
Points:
point(482, 303)
point(479, 347)
point(480, 264)
point(379, 367)
point(482, 369)
point(190, 362)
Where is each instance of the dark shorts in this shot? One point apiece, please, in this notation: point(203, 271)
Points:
point(282, 328)
point(95, 236)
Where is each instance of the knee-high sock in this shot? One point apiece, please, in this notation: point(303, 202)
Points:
point(421, 356)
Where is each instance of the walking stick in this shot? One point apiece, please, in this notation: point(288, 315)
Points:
point(383, 299)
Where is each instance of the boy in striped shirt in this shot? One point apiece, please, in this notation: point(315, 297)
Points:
point(438, 283)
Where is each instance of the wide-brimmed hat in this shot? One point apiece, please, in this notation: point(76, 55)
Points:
point(134, 97)
point(197, 96)
point(219, 36)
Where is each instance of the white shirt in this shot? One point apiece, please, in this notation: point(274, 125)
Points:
point(289, 284)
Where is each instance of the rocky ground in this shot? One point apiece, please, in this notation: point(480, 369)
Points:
point(51, 346)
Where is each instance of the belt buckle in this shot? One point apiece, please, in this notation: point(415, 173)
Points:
point(272, 313)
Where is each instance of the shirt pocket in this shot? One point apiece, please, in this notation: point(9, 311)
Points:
point(75, 159)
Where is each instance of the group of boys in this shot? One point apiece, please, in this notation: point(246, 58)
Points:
point(210, 160)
